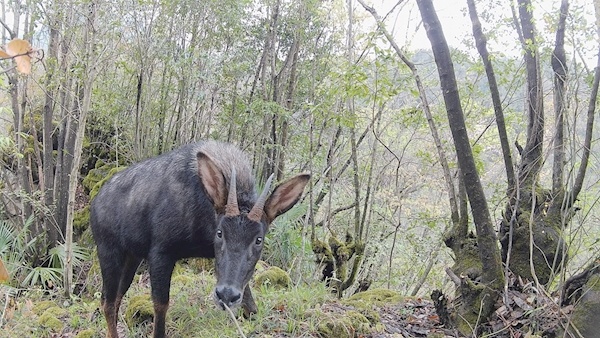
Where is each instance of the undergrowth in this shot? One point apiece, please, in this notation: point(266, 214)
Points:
point(192, 313)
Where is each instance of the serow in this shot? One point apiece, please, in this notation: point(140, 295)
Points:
point(195, 201)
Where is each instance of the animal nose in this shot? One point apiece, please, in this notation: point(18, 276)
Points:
point(228, 295)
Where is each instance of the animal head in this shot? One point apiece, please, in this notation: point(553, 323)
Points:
point(239, 236)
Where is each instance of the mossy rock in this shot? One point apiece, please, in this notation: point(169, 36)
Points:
point(96, 175)
point(40, 307)
point(273, 276)
point(586, 314)
point(360, 323)
point(81, 219)
point(371, 315)
point(349, 324)
point(340, 327)
point(139, 310)
point(88, 333)
point(96, 188)
point(375, 297)
point(50, 319)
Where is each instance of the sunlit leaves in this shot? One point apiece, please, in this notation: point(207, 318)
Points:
point(20, 50)
point(3, 272)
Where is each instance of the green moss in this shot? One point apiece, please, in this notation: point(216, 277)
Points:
point(194, 265)
point(273, 276)
point(322, 250)
point(96, 188)
point(467, 262)
point(375, 297)
point(371, 315)
point(475, 303)
point(88, 333)
point(42, 306)
point(547, 242)
point(340, 327)
point(202, 264)
point(81, 219)
point(49, 319)
point(359, 322)
point(586, 314)
point(182, 279)
point(139, 310)
point(349, 324)
point(95, 175)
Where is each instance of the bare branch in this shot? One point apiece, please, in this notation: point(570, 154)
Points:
point(10, 31)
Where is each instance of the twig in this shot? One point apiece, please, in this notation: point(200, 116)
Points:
point(7, 70)
point(453, 276)
point(17, 55)
point(234, 319)
point(10, 31)
point(5, 306)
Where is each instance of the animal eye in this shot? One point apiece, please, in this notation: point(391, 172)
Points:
point(259, 240)
point(219, 234)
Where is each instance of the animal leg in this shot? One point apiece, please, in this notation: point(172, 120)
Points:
point(111, 260)
point(248, 304)
point(161, 268)
point(127, 274)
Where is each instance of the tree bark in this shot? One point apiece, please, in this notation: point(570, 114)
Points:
point(535, 217)
point(481, 44)
point(81, 112)
point(531, 163)
point(48, 123)
point(454, 212)
point(559, 66)
point(486, 237)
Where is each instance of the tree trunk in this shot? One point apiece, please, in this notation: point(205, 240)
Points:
point(81, 111)
point(479, 300)
point(559, 66)
point(535, 215)
point(454, 212)
point(481, 43)
point(531, 162)
point(48, 125)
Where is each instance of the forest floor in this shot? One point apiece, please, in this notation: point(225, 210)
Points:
point(295, 311)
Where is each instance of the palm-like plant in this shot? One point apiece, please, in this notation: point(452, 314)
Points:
point(14, 247)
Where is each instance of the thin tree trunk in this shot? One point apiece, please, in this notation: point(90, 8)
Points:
point(559, 66)
point(587, 144)
point(481, 43)
point(454, 212)
point(82, 108)
point(48, 123)
point(486, 236)
point(531, 163)
point(64, 158)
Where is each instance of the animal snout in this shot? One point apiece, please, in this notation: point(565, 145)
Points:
point(228, 295)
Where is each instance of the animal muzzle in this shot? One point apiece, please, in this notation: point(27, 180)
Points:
point(227, 295)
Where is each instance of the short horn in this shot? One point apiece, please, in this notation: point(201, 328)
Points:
point(257, 210)
point(232, 209)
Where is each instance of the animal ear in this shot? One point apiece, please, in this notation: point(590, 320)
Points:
point(212, 180)
point(285, 196)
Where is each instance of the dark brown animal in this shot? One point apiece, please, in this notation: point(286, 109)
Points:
point(195, 201)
